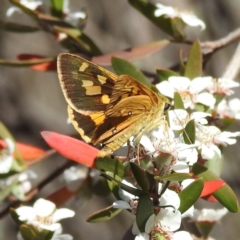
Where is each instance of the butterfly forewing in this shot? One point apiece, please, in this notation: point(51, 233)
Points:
point(86, 86)
point(106, 108)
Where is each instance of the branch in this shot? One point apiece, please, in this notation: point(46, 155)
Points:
point(233, 66)
point(213, 46)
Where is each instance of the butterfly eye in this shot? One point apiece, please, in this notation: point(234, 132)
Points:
point(167, 107)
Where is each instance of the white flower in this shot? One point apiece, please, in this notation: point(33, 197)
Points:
point(73, 17)
point(182, 235)
point(43, 214)
point(188, 89)
point(170, 12)
point(209, 215)
point(229, 109)
point(205, 136)
point(225, 138)
point(23, 185)
point(75, 173)
point(179, 118)
point(222, 86)
point(6, 156)
point(31, 4)
point(129, 201)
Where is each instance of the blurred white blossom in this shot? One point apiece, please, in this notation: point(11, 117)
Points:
point(170, 12)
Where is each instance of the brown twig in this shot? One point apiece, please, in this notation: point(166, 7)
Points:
point(36, 189)
point(213, 46)
point(233, 66)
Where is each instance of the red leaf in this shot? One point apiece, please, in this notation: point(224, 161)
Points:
point(27, 152)
point(72, 148)
point(211, 186)
point(43, 67)
point(131, 54)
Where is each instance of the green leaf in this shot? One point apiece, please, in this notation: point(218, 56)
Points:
point(57, 8)
point(25, 63)
point(30, 232)
point(25, 9)
point(112, 165)
point(4, 133)
point(122, 66)
point(178, 102)
point(164, 74)
point(81, 39)
point(140, 176)
point(104, 215)
point(189, 134)
point(133, 191)
point(193, 67)
point(174, 177)
point(224, 195)
point(144, 211)
point(172, 26)
point(190, 195)
point(16, 27)
point(6, 190)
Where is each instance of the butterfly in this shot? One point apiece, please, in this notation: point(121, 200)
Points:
point(104, 108)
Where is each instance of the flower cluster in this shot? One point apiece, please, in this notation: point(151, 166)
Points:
point(44, 216)
point(178, 151)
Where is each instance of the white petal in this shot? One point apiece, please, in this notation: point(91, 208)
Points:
point(147, 143)
point(166, 89)
point(189, 212)
point(193, 21)
point(170, 197)
point(207, 152)
point(150, 223)
point(135, 229)
point(5, 163)
point(206, 99)
point(178, 119)
point(200, 83)
point(26, 213)
point(169, 219)
point(52, 227)
point(62, 213)
point(44, 208)
point(182, 235)
point(142, 236)
point(180, 83)
point(186, 182)
point(165, 10)
point(121, 204)
point(181, 167)
point(124, 195)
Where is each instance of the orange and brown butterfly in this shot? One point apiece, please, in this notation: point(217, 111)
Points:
point(105, 108)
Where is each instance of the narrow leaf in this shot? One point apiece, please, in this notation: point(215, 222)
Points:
point(174, 177)
point(122, 66)
point(193, 67)
point(189, 134)
point(140, 176)
point(112, 165)
point(104, 215)
point(84, 42)
point(16, 27)
point(144, 211)
point(190, 195)
point(57, 8)
point(178, 102)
